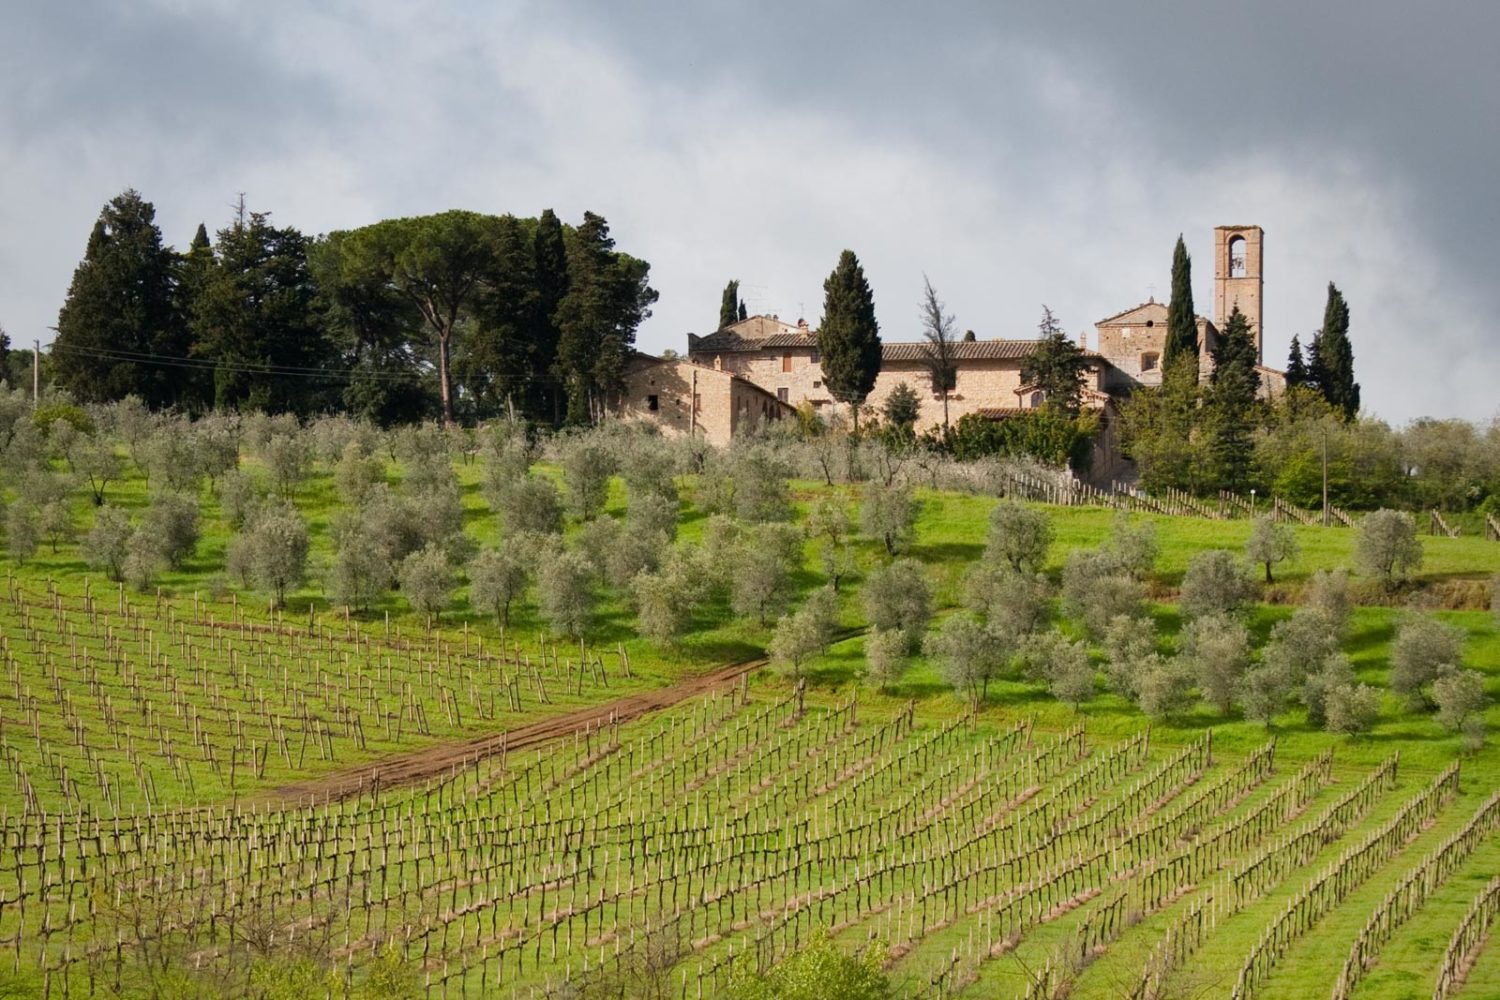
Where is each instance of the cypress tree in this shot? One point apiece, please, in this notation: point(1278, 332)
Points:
point(1296, 368)
point(1231, 399)
point(550, 266)
point(7, 375)
point(731, 309)
point(849, 336)
point(121, 306)
point(1182, 320)
point(1335, 356)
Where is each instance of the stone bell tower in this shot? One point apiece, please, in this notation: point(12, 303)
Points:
point(1238, 278)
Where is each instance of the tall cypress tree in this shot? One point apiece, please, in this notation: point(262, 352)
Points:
point(849, 336)
point(7, 374)
point(731, 309)
point(1182, 320)
point(1296, 368)
point(1231, 402)
point(121, 307)
point(550, 266)
point(1335, 356)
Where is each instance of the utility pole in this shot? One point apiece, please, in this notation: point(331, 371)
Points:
point(36, 373)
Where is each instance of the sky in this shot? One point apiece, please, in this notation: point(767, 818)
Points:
point(1015, 154)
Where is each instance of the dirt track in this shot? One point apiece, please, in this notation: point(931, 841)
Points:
point(419, 765)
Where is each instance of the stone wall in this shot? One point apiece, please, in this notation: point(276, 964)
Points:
point(662, 391)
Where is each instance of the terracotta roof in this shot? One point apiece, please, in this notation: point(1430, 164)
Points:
point(963, 350)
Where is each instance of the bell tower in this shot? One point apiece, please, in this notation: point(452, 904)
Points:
point(1238, 278)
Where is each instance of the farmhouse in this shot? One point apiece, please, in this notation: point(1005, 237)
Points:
point(782, 358)
point(684, 398)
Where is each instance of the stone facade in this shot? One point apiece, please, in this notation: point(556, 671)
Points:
point(1133, 342)
point(783, 359)
point(681, 397)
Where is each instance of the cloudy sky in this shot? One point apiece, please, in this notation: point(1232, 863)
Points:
point(1017, 154)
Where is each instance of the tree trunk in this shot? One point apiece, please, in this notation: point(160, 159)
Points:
point(445, 390)
point(945, 412)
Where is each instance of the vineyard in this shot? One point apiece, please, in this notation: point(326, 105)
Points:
point(667, 856)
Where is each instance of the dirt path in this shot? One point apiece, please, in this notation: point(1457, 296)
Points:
point(419, 765)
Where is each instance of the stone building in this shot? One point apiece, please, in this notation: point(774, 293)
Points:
point(783, 358)
point(681, 397)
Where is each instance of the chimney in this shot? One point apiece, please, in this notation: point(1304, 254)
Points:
point(802, 324)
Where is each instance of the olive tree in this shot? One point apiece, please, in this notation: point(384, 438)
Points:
point(106, 545)
point(497, 579)
point(1386, 546)
point(170, 522)
point(1164, 686)
point(288, 459)
point(1335, 673)
point(1095, 590)
point(1129, 650)
point(888, 514)
point(1012, 603)
point(760, 489)
point(886, 654)
point(1328, 592)
point(565, 594)
point(1132, 547)
point(1270, 543)
point(805, 633)
point(92, 460)
point(1351, 708)
point(357, 473)
point(1422, 648)
point(969, 656)
point(1458, 693)
point(272, 550)
point(652, 514)
point(1019, 536)
point(897, 598)
point(427, 581)
point(531, 504)
point(829, 527)
point(23, 533)
point(362, 569)
point(1218, 648)
point(761, 569)
point(587, 466)
point(666, 598)
point(1215, 584)
point(239, 495)
point(1062, 664)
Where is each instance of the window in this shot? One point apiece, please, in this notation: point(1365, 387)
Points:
point(652, 404)
point(817, 385)
point(815, 358)
point(786, 362)
point(1237, 267)
point(1037, 398)
point(1149, 361)
point(781, 394)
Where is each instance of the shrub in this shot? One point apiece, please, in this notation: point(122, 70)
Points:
point(1423, 646)
point(888, 514)
point(898, 599)
point(1215, 584)
point(1019, 536)
point(1386, 546)
point(1271, 543)
point(820, 971)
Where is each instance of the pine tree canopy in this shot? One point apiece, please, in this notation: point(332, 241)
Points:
point(849, 336)
point(1182, 319)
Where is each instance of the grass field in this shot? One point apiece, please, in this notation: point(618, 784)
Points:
point(145, 737)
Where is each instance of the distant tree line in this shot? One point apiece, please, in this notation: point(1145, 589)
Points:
point(457, 315)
